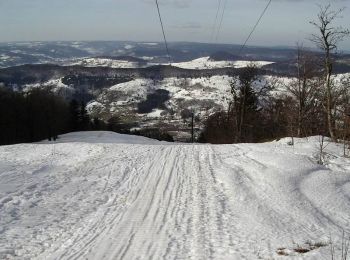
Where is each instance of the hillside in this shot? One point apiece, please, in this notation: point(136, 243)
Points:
point(146, 96)
point(131, 94)
point(100, 195)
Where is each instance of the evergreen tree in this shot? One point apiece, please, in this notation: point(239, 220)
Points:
point(84, 119)
point(74, 116)
point(245, 103)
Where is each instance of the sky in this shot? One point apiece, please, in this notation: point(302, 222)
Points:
point(285, 23)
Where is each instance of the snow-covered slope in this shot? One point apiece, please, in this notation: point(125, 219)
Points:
point(207, 63)
point(104, 137)
point(200, 63)
point(106, 62)
point(202, 94)
point(101, 195)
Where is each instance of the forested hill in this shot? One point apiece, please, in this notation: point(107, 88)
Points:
point(31, 74)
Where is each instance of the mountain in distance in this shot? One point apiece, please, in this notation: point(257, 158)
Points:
point(134, 82)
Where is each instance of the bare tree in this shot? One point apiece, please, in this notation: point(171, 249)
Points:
point(304, 88)
point(344, 111)
point(327, 40)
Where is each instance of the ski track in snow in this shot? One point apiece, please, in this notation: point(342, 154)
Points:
point(161, 201)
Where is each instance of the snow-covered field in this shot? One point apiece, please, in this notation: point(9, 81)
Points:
point(105, 62)
point(101, 195)
point(207, 63)
point(200, 63)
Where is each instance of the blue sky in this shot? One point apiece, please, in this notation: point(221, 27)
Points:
point(285, 23)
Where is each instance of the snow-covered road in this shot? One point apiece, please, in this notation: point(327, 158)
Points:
point(107, 196)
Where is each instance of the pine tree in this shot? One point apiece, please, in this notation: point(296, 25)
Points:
point(84, 119)
point(73, 116)
point(245, 103)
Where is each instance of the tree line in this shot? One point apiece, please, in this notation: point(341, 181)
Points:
point(39, 114)
point(315, 102)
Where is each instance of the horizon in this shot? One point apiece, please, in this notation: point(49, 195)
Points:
point(315, 49)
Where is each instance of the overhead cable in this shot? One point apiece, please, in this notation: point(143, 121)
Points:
point(222, 18)
point(255, 26)
point(216, 21)
point(163, 31)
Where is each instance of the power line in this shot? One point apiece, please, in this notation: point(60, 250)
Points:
point(222, 18)
point(161, 23)
point(255, 26)
point(216, 20)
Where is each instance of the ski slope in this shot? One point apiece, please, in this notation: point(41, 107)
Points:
point(101, 195)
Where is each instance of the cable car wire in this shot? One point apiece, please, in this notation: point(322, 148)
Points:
point(216, 21)
point(163, 31)
point(222, 18)
point(255, 26)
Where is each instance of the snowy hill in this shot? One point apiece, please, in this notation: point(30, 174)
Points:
point(148, 97)
point(112, 62)
point(200, 63)
point(101, 195)
point(208, 63)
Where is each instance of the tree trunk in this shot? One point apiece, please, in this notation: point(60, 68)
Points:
point(242, 114)
point(329, 97)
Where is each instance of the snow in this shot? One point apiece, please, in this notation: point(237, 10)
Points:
point(150, 43)
point(200, 63)
point(101, 195)
point(128, 46)
point(156, 113)
point(147, 58)
point(206, 63)
point(56, 85)
point(94, 106)
point(216, 89)
point(103, 137)
point(103, 62)
point(4, 57)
